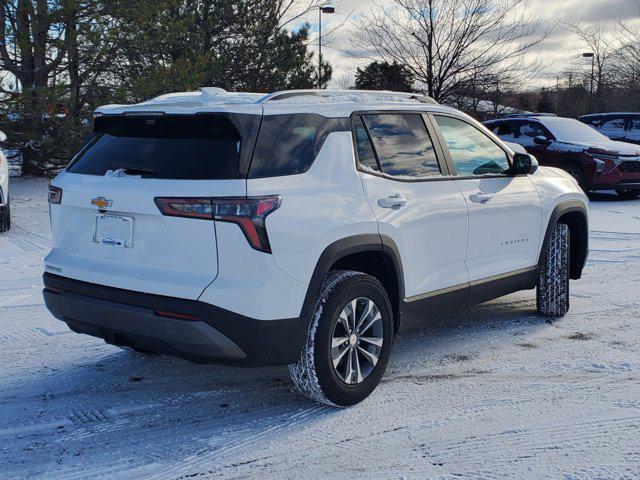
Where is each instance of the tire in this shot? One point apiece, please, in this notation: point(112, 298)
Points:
point(628, 194)
point(5, 219)
point(354, 377)
point(553, 284)
point(576, 172)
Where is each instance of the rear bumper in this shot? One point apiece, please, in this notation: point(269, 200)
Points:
point(205, 334)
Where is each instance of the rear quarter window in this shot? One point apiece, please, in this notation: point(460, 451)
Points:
point(288, 144)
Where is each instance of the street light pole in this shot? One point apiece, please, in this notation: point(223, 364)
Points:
point(321, 10)
point(592, 56)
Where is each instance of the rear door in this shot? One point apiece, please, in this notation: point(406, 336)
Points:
point(504, 210)
point(417, 205)
point(108, 228)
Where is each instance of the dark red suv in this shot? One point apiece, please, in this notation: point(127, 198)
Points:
point(595, 161)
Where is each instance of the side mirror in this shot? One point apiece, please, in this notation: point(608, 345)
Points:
point(541, 140)
point(3, 137)
point(524, 164)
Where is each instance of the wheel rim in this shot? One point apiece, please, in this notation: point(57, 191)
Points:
point(358, 337)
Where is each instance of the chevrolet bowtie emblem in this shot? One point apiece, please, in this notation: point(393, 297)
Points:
point(101, 203)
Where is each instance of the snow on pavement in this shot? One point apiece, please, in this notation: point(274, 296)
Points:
point(493, 392)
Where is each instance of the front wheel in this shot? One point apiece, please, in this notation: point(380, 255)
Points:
point(553, 284)
point(349, 341)
point(576, 172)
point(628, 194)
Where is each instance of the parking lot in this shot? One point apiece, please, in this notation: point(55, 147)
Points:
point(491, 392)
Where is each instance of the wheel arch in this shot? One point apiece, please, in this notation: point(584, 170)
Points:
point(574, 214)
point(374, 255)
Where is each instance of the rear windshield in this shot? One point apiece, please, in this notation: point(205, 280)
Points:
point(195, 147)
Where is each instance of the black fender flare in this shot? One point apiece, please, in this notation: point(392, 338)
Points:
point(343, 248)
point(579, 260)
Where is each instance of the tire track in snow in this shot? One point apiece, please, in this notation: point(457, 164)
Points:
point(205, 463)
point(27, 245)
point(530, 442)
point(20, 284)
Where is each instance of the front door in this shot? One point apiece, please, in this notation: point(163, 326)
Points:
point(504, 210)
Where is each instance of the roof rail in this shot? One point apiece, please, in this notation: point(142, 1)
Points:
point(350, 94)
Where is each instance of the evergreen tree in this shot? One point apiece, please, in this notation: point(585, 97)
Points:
point(384, 76)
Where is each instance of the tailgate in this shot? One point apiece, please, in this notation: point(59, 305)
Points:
point(109, 231)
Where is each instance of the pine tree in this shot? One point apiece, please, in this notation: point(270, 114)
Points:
point(384, 76)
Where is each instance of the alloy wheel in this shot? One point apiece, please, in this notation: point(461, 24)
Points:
point(358, 337)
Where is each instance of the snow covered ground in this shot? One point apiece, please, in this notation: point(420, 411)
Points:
point(495, 392)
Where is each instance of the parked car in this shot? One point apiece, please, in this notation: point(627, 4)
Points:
point(623, 127)
point(595, 161)
point(303, 228)
point(5, 207)
point(528, 115)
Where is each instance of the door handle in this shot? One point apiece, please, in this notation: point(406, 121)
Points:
point(481, 198)
point(396, 201)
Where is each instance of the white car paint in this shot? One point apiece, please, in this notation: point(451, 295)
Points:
point(444, 239)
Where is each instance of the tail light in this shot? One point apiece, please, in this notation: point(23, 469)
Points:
point(55, 195)
point(248, 213)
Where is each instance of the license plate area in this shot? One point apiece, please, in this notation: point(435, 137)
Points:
point(113, 230)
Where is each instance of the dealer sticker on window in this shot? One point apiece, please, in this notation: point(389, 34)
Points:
point(114, 230)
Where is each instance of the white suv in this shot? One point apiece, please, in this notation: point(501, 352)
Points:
point(304, 228)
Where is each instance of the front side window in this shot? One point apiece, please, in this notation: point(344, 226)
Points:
point(472, 152)
point(533, 130)
point(403, 145)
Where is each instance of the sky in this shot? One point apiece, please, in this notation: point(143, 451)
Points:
point(559, 50)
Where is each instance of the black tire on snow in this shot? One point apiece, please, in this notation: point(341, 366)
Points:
point(5, 219)
point(314, 375)
point(553, 284)
point(576, 172)
point(628, 194)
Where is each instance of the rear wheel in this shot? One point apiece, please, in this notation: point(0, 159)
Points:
point(628, 194)
point(349, 341)
point(553, 284)
point(5, 218)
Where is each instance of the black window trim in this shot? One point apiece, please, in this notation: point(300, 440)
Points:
point(435, 140)
point(447, 153)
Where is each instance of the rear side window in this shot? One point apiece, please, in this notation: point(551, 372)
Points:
point(613, 123)
point(472, 152)
point(289, 144)
point(194, 147)
point(403, 145)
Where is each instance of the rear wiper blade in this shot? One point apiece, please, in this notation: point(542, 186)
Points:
point(136, 170)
